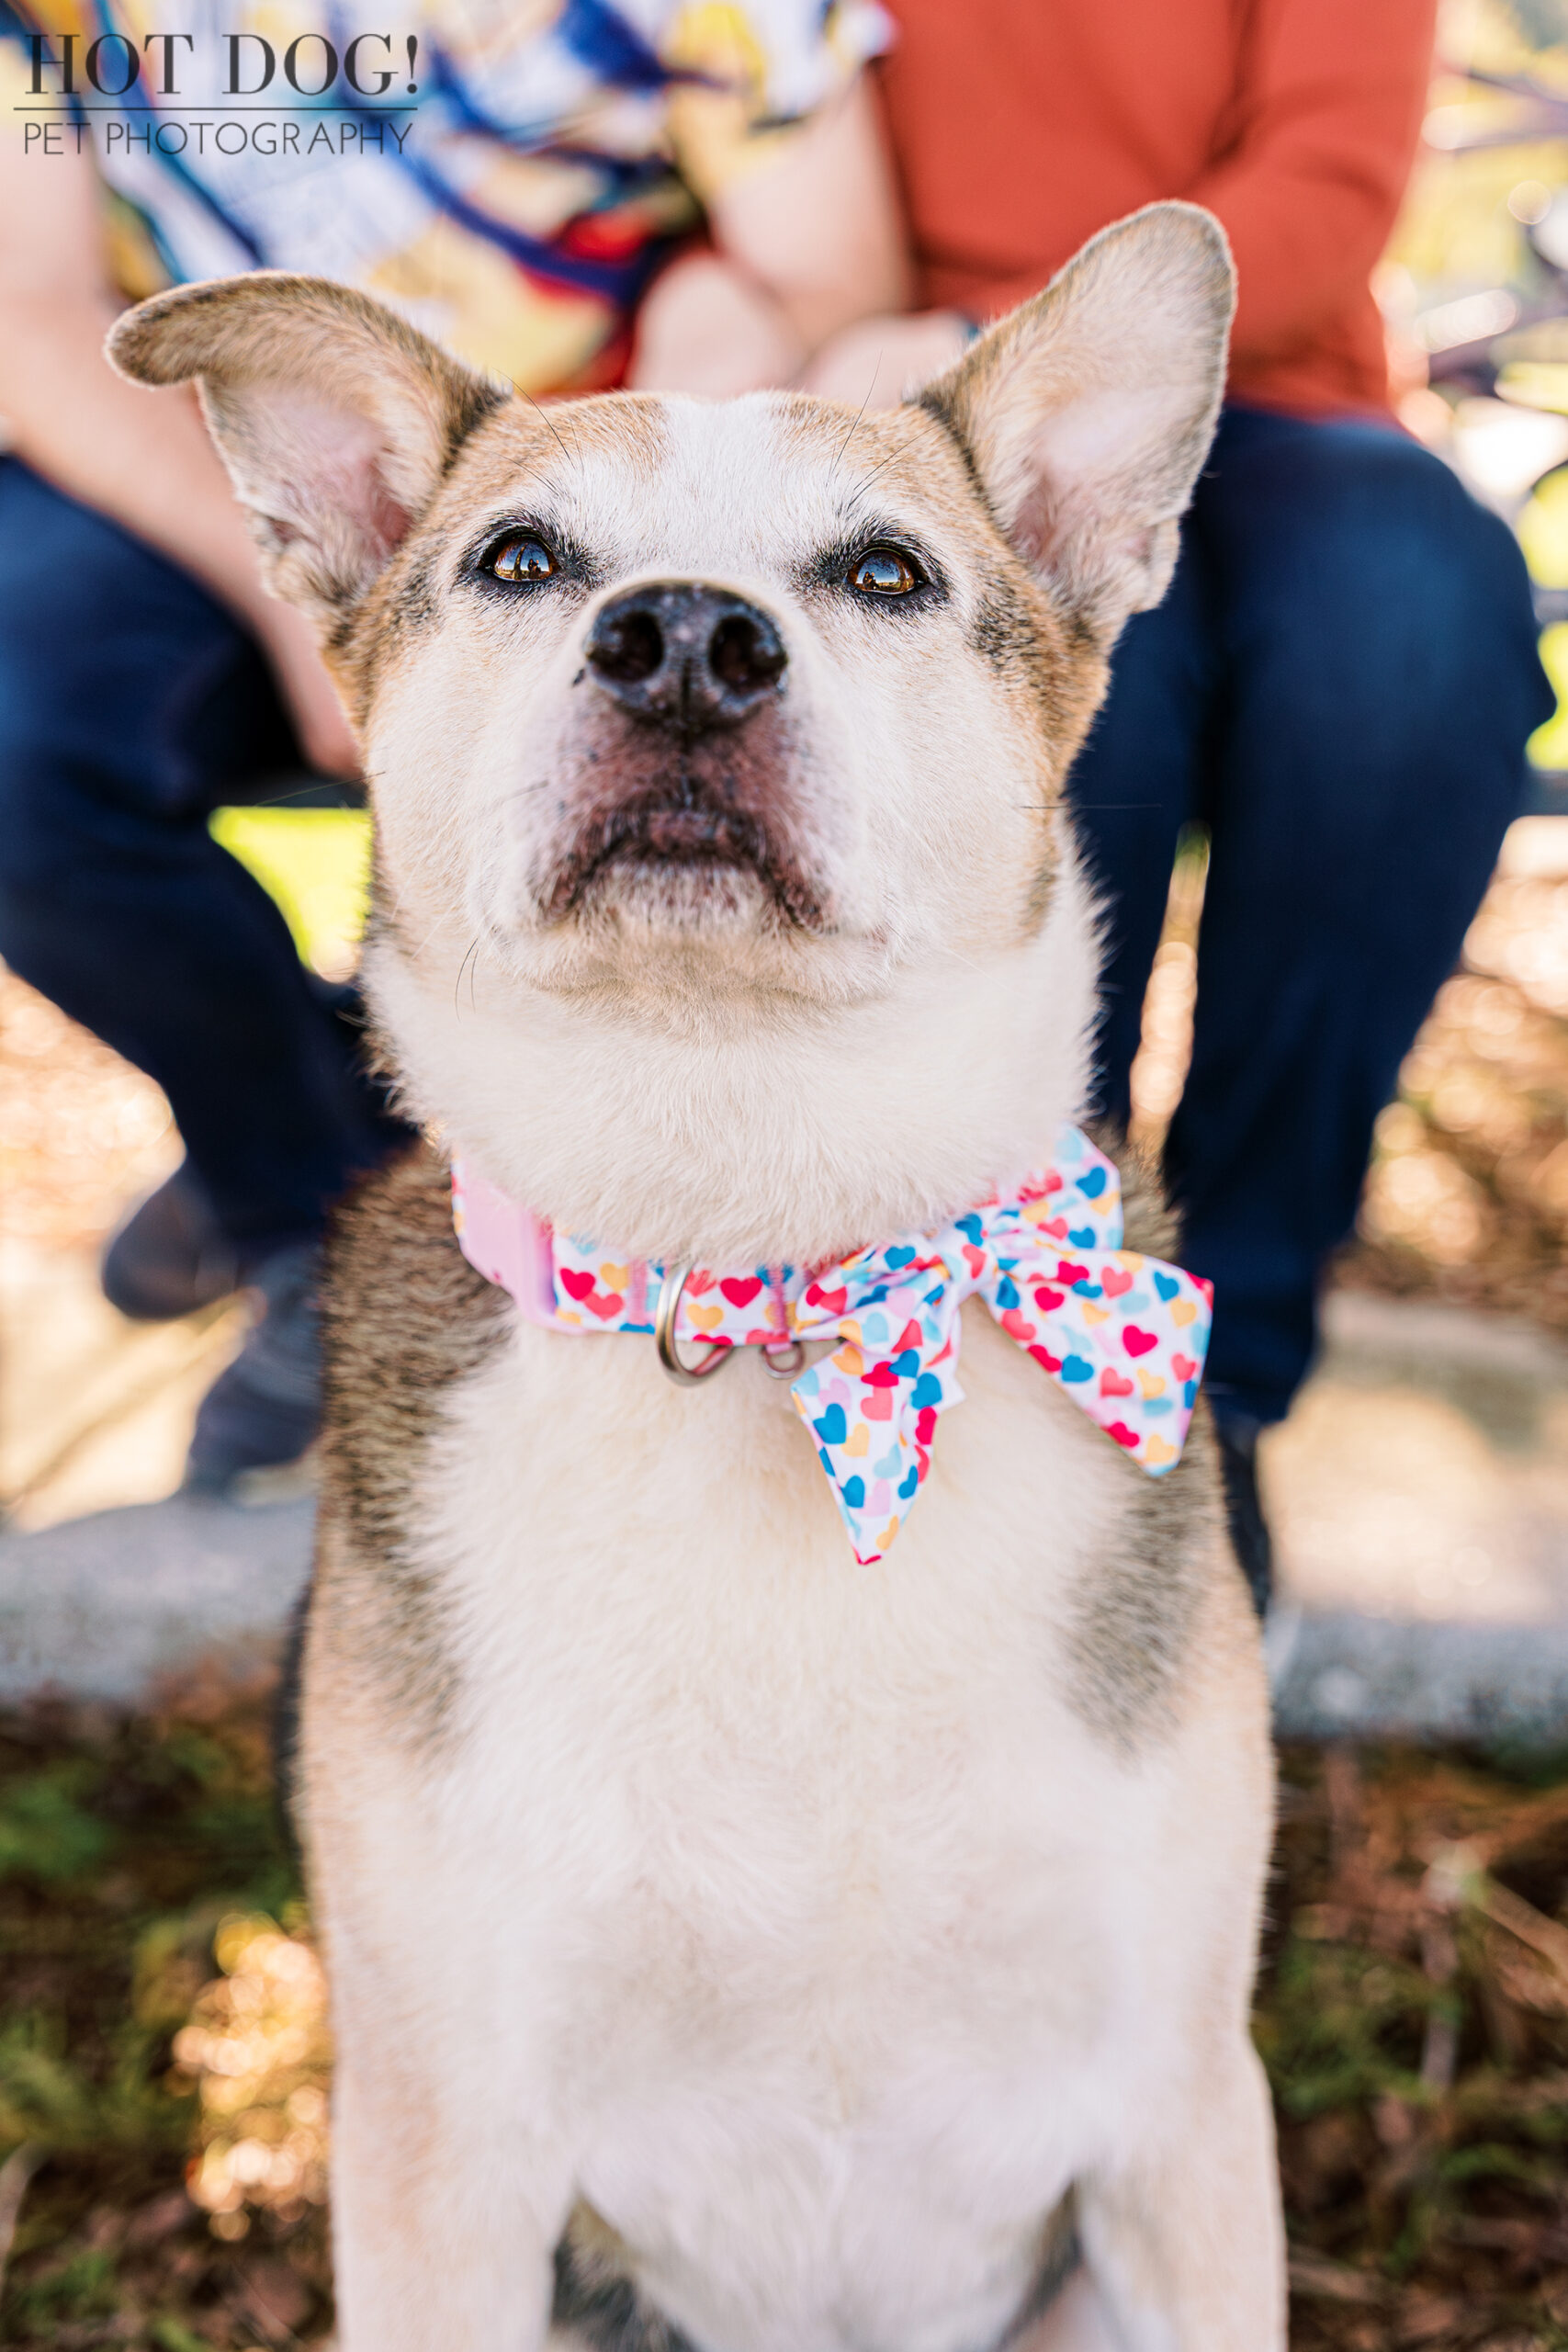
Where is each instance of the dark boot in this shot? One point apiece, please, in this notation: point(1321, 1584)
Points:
point(169, 1256)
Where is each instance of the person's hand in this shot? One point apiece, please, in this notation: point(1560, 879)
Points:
point(325, 736)
point(881, 361)
point(705, 327)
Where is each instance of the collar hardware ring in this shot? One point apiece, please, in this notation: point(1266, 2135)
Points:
point(684, 1375)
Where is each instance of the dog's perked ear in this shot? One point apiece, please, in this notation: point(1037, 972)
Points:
point(336, 420)
point(1086, 413)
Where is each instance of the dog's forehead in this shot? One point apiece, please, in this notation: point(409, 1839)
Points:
point(752, 485)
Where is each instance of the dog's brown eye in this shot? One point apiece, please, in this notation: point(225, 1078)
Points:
point(883, 571)
point(524, 558)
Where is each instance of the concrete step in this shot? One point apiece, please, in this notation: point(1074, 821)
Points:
point(1420, 1495)
point(108, 1606)
point(1338, 1675)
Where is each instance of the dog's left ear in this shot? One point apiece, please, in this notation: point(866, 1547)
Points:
point(336, 420)
point(1086, 413)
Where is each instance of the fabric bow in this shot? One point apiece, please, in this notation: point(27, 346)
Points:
point(1123, 1335)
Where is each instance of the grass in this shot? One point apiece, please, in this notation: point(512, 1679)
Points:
point(135, 1860)
point(164, 2056)
point(1414, 2021)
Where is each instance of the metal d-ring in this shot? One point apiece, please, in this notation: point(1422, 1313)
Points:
point(783, 1359)
point(684, 1375)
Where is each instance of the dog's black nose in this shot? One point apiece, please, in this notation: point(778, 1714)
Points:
point(686, 656)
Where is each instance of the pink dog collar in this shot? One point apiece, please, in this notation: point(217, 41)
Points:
point(1122, 1334)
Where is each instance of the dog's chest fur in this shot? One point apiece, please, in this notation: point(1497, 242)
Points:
point(839, 1895)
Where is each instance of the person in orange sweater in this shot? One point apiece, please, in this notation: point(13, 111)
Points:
point(1342, 679)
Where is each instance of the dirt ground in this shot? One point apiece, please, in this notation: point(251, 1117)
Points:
point(164, 2059)
point(1467, 1198)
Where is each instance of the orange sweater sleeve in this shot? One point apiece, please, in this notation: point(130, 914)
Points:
point(1329, 105)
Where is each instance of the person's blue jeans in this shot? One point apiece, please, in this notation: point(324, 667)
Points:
point(132, 706)
point(1339, 685)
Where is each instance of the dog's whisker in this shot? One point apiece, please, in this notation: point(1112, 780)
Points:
point(549, 423)
point(900, 451)
point(471, 950)
point(418, 948)
point(859, 413)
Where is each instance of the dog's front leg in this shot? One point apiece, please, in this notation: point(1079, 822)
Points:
point(1185, 2242)
point(439, 2241)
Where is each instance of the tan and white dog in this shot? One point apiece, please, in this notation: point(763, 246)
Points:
point(730, 1943)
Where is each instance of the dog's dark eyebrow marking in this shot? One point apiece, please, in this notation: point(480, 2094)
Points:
point(864, 527)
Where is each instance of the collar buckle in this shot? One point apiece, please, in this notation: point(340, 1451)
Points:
point(684, 1375)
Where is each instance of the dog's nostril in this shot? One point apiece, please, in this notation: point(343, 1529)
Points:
point(685, 655)
point(744, 657)
point(628, 647)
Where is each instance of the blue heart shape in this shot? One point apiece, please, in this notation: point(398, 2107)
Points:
point(1077, 1368)
point(1167, 1285)
point(1093, 1184)
point(907, 1365)
point(832, 1429)
point(927, 1391)
point(853, 1492)
point(1156, 1406)
point(1088, 1290)
point(1082, 1236)
point(1007, 1293)
point(970, 1229)
point(1191, 1394)
point(888, 1465)
point(906, 1486)
point(894, 1259)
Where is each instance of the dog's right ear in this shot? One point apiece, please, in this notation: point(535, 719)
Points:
point(336, 420)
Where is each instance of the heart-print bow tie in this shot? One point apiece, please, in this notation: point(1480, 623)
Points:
point(1122, 1334)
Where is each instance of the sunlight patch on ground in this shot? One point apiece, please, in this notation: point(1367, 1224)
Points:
point(316, 863)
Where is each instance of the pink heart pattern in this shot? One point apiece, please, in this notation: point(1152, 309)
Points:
point(1048, 1260)
point(738, 1310)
